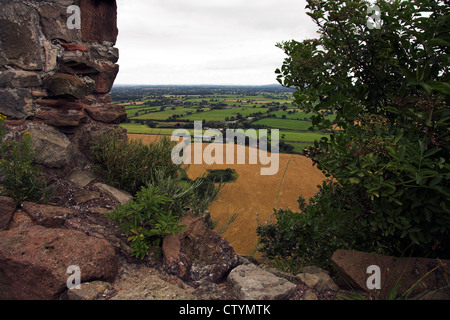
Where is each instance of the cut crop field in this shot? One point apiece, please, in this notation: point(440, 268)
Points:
point(254, 196)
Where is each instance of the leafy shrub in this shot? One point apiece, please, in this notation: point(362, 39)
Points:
point(146, 220)
point(19, 176)
point(332, 220)
point(129, 165)
point(389, 150)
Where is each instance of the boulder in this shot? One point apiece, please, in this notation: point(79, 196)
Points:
point(407, 271)
point(7, 208)
point(66, 85)
point(252, 283)
point(198, 254)
point(52, 146)
point(34, 261)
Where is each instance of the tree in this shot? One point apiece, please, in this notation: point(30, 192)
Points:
point(390, 148)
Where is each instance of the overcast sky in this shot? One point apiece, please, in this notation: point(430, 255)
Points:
point(206, 41)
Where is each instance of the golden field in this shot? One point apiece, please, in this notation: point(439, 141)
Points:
point(253, 196)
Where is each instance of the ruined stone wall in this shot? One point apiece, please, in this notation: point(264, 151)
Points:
point(54, 80)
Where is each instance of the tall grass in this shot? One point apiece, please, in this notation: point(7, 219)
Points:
point(130, 165)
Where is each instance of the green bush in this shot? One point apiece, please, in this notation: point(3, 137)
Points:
point(20, 178)
point(388, 153)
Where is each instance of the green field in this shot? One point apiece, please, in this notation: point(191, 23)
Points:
point(264, 110)
point(284, 123)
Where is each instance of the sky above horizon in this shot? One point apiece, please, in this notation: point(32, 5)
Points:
point(192, 42)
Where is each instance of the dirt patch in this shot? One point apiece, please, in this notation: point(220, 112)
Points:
point(254, 196)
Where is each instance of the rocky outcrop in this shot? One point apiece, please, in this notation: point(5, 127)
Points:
point(34, 261)
point(54, 80)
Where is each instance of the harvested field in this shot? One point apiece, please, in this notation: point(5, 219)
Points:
point(254, 196)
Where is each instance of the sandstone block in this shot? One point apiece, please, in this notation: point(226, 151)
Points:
point(34, 261)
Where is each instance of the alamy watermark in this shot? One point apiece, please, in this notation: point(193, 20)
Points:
point(214, 152)
point(74, 280)
point(374, 280)
point(74, 21)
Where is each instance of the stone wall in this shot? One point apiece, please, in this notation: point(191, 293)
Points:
point(54, 81)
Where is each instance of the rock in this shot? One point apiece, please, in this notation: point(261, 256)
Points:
point(309, 295)
point(60, 103)
point(61, 118)
point(108, 114)
point(74, 47)
point(154, 288)
point(21, 220)
point(198, 254)
point(66, 85)
point(105, 79)
point(90, 291)
point(121, 196)
point(320, 281)
point(353, 266)
point(19, 29)
point(81, 196)
point(51, 145)
point(82, 178)
point(13, 103)
point(46, 215)
point(25, 79)
point(54, 23)
point(34, 261)
point(98, 20)
point(7, 208)
point(252, 283)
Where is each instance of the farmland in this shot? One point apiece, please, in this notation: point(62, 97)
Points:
point(162, 109)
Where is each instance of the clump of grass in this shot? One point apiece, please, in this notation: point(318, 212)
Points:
point(130, 165)
point(20, 177)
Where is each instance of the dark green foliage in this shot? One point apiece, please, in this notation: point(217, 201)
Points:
point(389, 153)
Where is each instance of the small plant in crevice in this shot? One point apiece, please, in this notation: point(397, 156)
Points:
point(146, 220)
point(20, 178)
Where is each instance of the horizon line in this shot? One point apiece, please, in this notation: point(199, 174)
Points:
point(199, 85)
